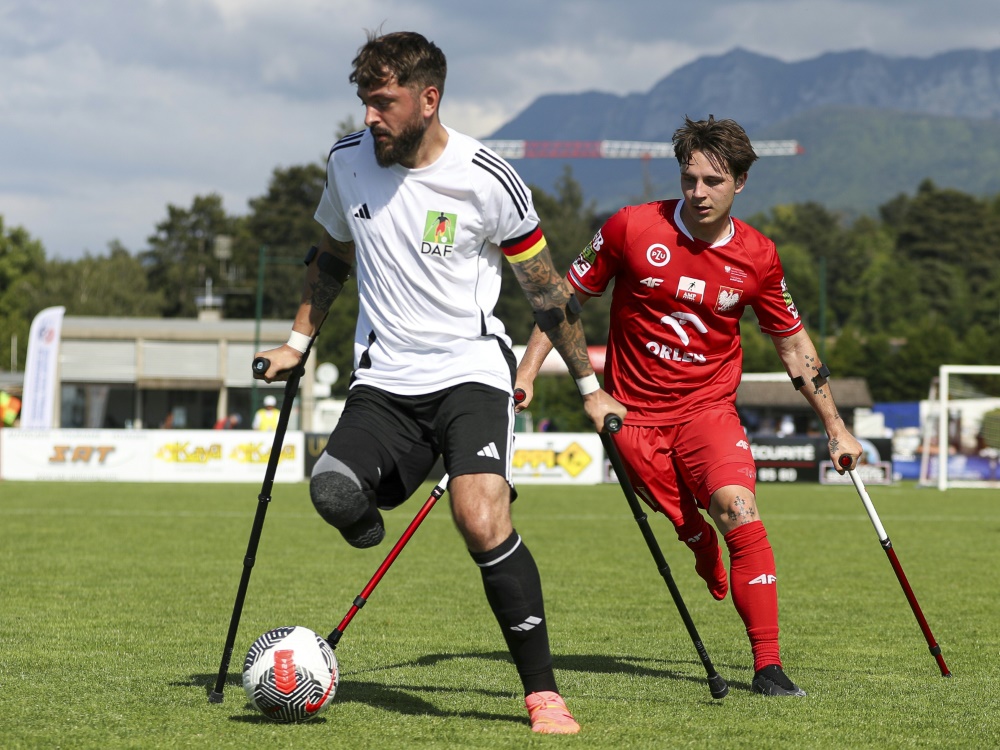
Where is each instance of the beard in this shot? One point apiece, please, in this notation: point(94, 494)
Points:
point(399, 147)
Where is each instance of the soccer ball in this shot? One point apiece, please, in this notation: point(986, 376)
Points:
point(290, 674)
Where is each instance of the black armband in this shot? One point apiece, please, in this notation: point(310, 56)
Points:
point(334, 267)
point(547, 320)
point(551, 318)
point(311, 255)
point(573, 309)
point(820, 379)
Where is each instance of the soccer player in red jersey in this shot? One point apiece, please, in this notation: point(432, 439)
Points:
point(684, 271)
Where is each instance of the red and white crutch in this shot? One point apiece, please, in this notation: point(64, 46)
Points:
point(845, 462)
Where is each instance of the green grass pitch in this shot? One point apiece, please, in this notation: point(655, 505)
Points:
point(116, 598)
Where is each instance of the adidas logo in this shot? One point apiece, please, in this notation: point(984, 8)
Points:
point(763, 578)
point(362, 213)
point(528, 624)
point(489, 451)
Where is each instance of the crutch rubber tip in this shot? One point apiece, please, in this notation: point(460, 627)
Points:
point(215, 697)
point(718, 687)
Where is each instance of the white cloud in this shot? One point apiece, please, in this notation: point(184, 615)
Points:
point(112, 109)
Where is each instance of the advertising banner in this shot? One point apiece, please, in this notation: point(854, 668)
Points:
point(807, 459)
point(558, 458)
point(38, 401)
point(147, 455)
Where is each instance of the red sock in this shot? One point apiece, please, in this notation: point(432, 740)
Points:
point(704, 542)
point(755, 590)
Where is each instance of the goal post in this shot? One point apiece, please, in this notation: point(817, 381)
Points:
point(961, 423)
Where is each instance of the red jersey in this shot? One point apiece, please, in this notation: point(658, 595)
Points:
point(674, 343)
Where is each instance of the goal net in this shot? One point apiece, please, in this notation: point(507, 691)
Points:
point(961, 428)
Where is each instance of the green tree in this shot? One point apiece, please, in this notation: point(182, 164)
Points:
point(872, 283)
point(941, 233)
point(928, 344)
point(22, 278)
point(804, 233)
point(180, 256)
point(112, 285)
point(759, 354)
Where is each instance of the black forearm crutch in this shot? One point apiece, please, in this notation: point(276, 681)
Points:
point(716, 684)
point(334, 638)
point(935, 649)
point(260, 365)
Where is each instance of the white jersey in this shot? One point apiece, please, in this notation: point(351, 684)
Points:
point(429, 245)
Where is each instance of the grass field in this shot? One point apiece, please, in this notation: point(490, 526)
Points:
point(116, 600)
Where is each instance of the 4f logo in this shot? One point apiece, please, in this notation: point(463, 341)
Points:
point(439, 234)
point(651, 282)
point(764, 579)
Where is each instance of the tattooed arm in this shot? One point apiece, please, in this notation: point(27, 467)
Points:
point(319, 290)
point(547, 290)
point(799, 356)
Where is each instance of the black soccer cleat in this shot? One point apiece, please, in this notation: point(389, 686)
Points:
point(771, 680)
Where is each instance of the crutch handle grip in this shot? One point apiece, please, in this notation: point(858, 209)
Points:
point(845, 461)
point(612, 423)
point(519, 395)
point(261, 365)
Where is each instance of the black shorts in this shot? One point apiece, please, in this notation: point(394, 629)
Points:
point(392, 442)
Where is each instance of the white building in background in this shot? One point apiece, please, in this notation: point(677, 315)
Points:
point(153, 372)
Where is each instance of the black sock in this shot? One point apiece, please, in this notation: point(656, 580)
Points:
point(514, 591)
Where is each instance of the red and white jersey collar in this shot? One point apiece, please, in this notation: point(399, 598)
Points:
point(684, 230)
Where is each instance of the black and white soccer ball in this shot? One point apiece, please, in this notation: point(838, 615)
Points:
point(290, 674)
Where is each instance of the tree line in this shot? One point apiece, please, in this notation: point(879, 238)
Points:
point(887, 297)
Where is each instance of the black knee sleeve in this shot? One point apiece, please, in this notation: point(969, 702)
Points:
point(339, 498)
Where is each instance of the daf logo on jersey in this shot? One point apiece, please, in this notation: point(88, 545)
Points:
point(691, 290)
point(439, 234)
point(658, 255)
point(728, 299)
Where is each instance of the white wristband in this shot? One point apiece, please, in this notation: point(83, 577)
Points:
point(588, 384)
point(299, 341)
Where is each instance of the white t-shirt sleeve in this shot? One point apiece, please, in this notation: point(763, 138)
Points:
point(330, 211)
point(507, 204)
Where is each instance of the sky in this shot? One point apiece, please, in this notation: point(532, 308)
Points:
point(111, 110)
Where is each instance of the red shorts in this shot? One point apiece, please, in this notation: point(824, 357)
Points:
point(672, 465)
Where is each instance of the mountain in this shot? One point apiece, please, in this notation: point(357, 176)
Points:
point(872, 127)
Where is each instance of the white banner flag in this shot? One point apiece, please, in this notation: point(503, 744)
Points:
point(38, 400)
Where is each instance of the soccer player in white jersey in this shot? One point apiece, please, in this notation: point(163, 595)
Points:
point(428, 216)
point(684, 272)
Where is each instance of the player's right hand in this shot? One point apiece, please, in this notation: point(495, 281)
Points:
point(281, 363)
point(599, 405)
point(523, 392)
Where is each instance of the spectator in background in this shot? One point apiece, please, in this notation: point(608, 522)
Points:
point(10, 409)
point(266, 418)
point(232, 422)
